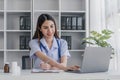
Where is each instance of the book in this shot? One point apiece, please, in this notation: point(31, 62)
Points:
point(26, 62)
point(83, 22)
point(68, 23)
point(74, 23)
point(63, 23)
point(27, 23)
point(27, 39)
point(79, 23)
point(22, 42)
point(68, 39)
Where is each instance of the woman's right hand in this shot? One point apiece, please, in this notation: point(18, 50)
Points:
point(45, 66)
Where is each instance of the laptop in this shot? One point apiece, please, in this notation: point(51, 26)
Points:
point(95, 59)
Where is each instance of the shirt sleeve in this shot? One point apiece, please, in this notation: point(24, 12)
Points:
point(64, 48)
point(34, 47)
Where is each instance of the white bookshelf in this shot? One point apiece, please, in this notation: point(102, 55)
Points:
point(10, 32)
point(10, 12)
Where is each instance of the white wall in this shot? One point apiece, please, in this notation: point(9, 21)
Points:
point(97, 15)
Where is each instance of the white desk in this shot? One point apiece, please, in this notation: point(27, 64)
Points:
point(27, 75)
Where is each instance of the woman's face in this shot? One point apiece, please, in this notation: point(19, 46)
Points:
point(48, 29)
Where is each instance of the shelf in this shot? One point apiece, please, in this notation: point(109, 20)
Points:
point(1, 31)
point(18, 30)
point(13, 20)
point(16, 11)
point(65, 11)
point(1, 5)
point(13, 39)
point(75, 31)
point(46, 4)
point(1, 50)
point(46, 11)
point(73, 5)
point(18, 4)
point(1, 11)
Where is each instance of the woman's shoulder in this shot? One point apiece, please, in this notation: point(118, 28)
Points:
point(62, 40)
point(33, 41)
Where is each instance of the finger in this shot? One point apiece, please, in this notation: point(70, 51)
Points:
point(77, 66)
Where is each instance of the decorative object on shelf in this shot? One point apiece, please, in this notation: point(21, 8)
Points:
point(99, 39)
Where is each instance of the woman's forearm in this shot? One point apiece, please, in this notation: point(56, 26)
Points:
point(63, 60)
point(50, 61)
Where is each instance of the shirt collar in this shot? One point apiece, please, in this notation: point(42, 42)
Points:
point(54, 45)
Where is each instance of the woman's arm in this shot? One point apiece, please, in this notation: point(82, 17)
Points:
point(50, 61)
point(63, 60)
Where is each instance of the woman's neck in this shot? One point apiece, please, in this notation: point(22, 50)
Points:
point(49, 41)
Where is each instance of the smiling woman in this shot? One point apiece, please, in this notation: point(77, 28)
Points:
point(47, 49)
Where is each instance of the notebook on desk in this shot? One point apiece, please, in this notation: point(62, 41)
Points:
point(95, 59)
point(45, 71)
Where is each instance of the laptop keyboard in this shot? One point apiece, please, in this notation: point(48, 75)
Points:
point(73, 71)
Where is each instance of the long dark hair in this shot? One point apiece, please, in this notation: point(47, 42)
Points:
point(41, 19)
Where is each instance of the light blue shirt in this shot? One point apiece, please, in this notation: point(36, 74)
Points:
point(53, 52)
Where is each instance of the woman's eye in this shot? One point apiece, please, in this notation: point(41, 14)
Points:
point(52, 26)
point(45, 27)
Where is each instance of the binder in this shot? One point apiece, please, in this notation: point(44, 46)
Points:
point(68, 22)
point(74, 23)
point(63, 23)
point(79, 23)
point(22, 42)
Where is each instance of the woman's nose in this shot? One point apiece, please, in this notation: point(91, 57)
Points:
point(49, 30)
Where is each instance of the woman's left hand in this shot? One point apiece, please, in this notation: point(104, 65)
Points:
point(73, 68)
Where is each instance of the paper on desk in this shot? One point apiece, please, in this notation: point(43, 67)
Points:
point(45, 71)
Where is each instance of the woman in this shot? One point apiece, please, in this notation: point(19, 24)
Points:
point(47, 49)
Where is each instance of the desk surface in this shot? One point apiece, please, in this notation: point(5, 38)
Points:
point(27, 75)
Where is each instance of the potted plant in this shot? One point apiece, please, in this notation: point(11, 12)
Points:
point(99, 39)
